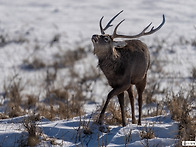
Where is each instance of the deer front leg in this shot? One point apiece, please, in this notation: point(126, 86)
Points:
point(100, 121)
point(115, 91)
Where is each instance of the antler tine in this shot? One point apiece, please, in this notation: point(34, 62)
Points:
point(124, 36)
point(109, 23)
point(100, 25)
point(140, 34)
point(114, 33)
point(156, 29)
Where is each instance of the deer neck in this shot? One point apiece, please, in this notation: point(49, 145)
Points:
point(110, 54)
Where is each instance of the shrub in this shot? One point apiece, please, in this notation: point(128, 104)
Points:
point(180, 106)
point(60, 104)
point(147, 133)
point(32, 129)
point(13, 93)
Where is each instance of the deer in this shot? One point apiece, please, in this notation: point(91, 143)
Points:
point(124, 63)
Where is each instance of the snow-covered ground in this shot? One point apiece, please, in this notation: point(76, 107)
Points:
point(68, 134)
point(25, 24)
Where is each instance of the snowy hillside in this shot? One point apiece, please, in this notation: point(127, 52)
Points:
point(47, 64)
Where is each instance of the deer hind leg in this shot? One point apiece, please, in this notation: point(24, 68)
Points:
point(140, 89)
point(131, 97)
point(115, 91)
point(121, 102)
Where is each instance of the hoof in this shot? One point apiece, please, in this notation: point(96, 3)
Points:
point(124, 124)
point(134, 121)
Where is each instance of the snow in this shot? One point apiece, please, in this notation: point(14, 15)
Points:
point(76, 21)
point(65, 131)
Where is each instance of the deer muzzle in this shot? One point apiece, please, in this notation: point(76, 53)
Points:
point(95, 38)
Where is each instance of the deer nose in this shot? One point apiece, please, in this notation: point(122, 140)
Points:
point(94, 38)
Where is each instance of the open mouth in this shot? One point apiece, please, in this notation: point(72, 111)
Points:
point(94, 38)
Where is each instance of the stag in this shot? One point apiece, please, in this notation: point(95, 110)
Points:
point(124, 63)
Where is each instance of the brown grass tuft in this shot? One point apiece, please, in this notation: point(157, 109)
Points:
point(181, 106)
point(31, 101)
point(147, 133)
point(13, 93)
point(69, 57)
point(60, 104)
point(33, 131)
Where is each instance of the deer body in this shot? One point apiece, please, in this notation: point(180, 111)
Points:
point(130, 66)
point(124, 63)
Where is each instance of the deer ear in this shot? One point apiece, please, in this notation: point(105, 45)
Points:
point(119, 44)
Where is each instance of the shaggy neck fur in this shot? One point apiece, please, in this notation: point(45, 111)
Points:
point(108, 53)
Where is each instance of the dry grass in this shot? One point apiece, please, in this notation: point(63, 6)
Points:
point(59, 103)
point(147, 133)
point(30, 102)
point(32, 129)
point(13, 91)
point(83, 132)
point(155, 111)
point(62, 59)
point(181, 106)
point(151, 90)
point(17, 103)
point(68, 58)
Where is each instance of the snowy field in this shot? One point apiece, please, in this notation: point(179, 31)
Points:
point(46, 29)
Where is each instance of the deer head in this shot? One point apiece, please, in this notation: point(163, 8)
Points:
point(105, 42)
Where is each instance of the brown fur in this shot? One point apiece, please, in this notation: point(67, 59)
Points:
point(128, 68)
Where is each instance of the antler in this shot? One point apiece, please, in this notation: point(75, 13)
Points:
point(109, 23)
point(115, 35)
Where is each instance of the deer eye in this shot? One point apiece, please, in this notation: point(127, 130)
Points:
point(106, 39)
